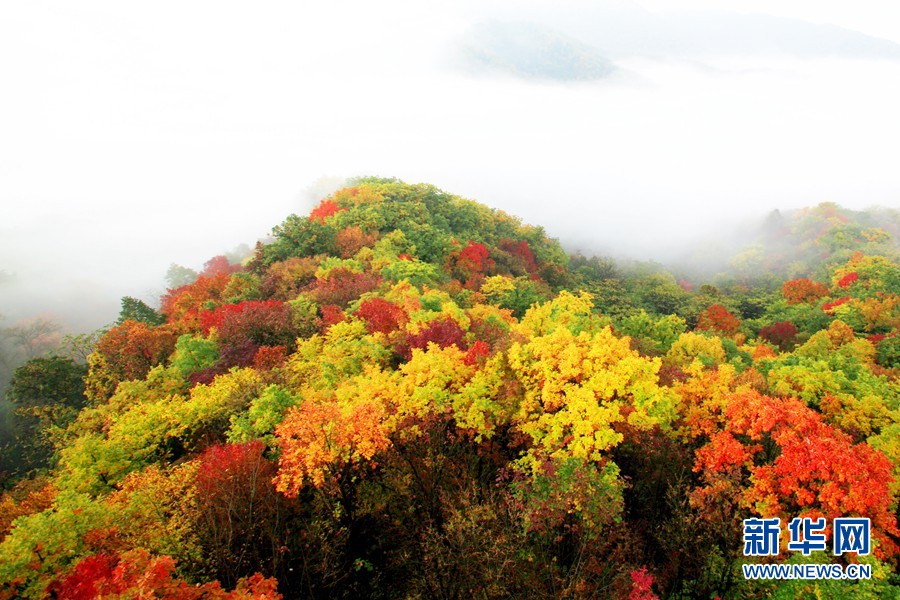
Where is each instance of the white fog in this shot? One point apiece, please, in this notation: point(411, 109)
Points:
point(133, 138)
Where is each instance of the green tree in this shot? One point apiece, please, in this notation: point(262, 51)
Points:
point(47, 394)
point(137, 310)
point(178, 276)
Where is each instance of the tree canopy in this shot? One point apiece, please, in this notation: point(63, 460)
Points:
point(409, 394)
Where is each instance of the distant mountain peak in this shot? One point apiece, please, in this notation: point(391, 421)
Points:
point(530, 51)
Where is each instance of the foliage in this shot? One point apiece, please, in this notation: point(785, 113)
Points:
point(414, 271)
point(694, 346)
point(156, 430)
point(341, 285)
point(717, 319)
point(194, 353)
point(28, 497)
point(43, 544)
point(443, 332)
point(47, 394)
point(782, 334)
point(408, 394)
point(380, 315)
point(778, 458)
point(285, 279)
point(653, 336)
point(264, 413)
point(803, 291)
point(218, 265)
point(325, 209)
point(137, 310)
point(518, 295)
point(178, 276)
point(317, 440)
point(126, 352)
point(181, 305)
point(238, 510)
point(265, 323)
point(137, 574)
point(889, 351)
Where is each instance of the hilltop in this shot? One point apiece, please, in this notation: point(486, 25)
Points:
point(406, 393)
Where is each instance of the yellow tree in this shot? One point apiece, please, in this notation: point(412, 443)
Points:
point(579, 381)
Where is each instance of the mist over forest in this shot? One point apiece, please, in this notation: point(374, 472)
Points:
point(623, 129)
point(472, 298)
point(404, 390)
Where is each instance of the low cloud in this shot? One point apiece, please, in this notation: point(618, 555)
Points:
point(144, 140)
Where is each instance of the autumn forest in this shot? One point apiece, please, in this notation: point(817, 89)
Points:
point(407, 394)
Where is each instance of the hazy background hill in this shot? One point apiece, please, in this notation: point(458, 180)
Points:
point(634, 129)
point(529, 50)
point(620, 29)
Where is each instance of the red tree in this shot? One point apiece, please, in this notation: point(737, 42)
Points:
point(777, 457)
point(218, 265)
point(477, 353)
point(381, 315)
point(350, 240)
point(717, 319)
point(131, 349)
point(137, 574)
point(325, 209)
point(182, 305)
point(829, 306)
point(782, 334)
point(642, 585)
point(342, 286)
point(331, 315)
point(238, 509)
point(265, 323)
point(800, 291)
point(848, 279)
point(443, 331)
point(522, 252)
point(470, 264)
point(270, 357)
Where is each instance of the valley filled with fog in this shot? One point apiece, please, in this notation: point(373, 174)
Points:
point(135, 140)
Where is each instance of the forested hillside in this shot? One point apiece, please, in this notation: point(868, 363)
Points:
point(406, 394)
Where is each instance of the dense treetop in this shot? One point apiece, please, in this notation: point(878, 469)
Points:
point(408, 394)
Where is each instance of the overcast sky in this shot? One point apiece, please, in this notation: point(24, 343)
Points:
point(133, 136)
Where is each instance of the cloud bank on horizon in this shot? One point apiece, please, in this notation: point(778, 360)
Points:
point(137, 137)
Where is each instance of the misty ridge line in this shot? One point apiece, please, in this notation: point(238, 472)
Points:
point(702, 260)
point(569, 48)
point(540, 48)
